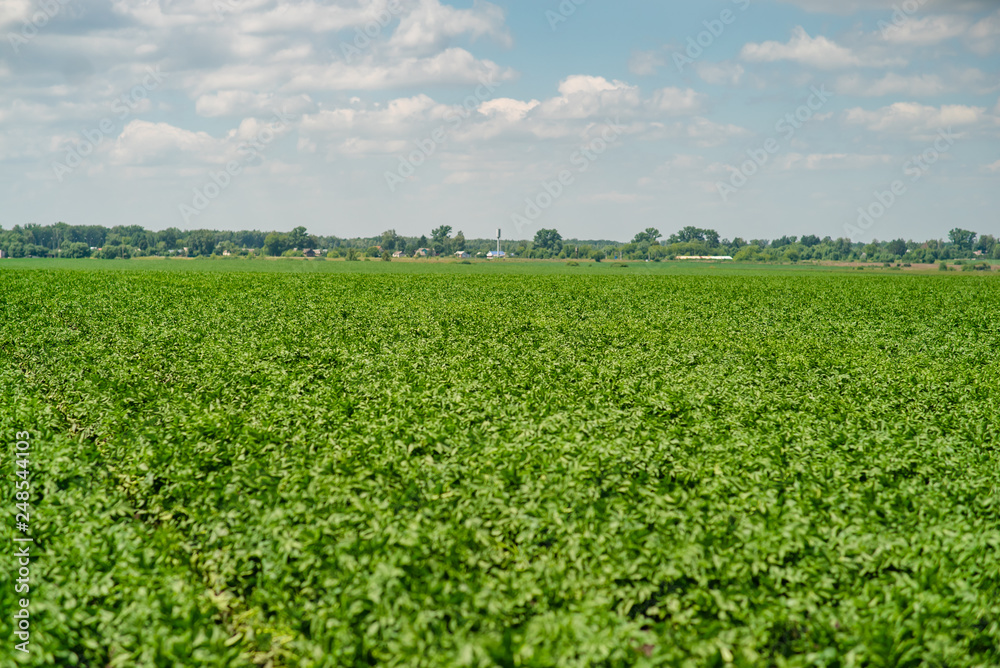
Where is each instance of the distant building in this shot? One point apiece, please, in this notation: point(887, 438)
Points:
point(496, 255)
point(226, 253)
point(423, 252)
point(309, 252)
point(463, 255)
point(3, 254)
point(399, 254)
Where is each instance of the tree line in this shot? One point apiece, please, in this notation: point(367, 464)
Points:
point(125, 241)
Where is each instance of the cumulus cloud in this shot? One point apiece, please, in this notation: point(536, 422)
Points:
point(242, 103)
point(813, 51)
point(918, 85)
point(914, 118)
point(432, 26)
point(995, 167)
point(846, 7)
point(583, 96)
point(613, 197)
point(720, 74)
point(927, 30)
point(580, 109)
point(143, 143)
point(819, 52)
point(820, 161)
point(985, 35)
point(646, 63)
point(452, 66)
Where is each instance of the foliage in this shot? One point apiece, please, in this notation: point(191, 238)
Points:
point(337, 469)
point(548, 240)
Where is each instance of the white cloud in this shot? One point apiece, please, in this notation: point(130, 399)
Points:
point(814, 51)
point(985, 35)
point(819, 52)
point(839, 6)
point(707, 133)
point(432, 26)
point(919, 85)
point(645, 63)
point(399, 117)
point(613, 197)
point(914, 118)
point(818, 161)
point(452, 66)
point(582, 96)
point(720, 74)
point(14, 11)
point(145, 143)
point(678, 101)
point(506, 108)
point(927, 30)
point(242, 103)
point(995, 167)
point(846, 7)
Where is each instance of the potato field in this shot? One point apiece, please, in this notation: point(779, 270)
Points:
point(589, 466)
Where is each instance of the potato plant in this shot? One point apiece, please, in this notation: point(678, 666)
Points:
point(596, 469)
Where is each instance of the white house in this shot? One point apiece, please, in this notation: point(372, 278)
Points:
point(462, 255)
point(494, 255)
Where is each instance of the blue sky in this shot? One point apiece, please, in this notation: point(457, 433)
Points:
point(875, 119)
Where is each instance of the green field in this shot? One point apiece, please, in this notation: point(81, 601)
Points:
point(340, 464)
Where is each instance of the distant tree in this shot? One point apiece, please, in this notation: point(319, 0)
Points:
point(749, 253)
point(597, 255)
point(386, 256)
point(74, 249)
point(897, 247)
point(275, 244)
point(200, 242)
point(810, 240)
point(650, 235)
point(298, 238)
point(963, 239)
point(439, 239)
point(549, 240)
point(693, 234)
point(391, 241)
point(458, 243)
